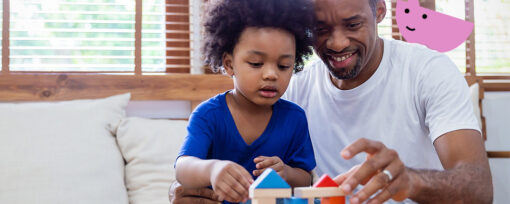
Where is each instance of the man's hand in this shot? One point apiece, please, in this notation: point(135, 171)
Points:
point(383, 170)
point(180, 195)
point(275, 163)
point(230, 181)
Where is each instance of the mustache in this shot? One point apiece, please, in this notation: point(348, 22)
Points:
point(346, 50)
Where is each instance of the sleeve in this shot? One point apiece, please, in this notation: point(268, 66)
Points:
point(200, 132)
point(301, 154)
point(445, 97)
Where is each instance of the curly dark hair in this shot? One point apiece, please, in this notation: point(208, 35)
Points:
point(225, 20)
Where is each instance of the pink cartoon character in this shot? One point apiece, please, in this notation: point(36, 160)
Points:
point(435, 30)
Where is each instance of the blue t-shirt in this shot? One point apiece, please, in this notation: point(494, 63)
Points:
point(212, 134)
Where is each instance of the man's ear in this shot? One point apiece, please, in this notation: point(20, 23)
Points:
point(380, 10)
point(227, 61)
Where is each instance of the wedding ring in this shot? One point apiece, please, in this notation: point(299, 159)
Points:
point(388, 173)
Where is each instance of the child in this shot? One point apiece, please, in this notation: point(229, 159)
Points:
point(233, 137)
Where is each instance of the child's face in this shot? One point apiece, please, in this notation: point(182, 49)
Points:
point(262, 64)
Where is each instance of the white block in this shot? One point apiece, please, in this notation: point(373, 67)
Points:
point(309, 192)
point(271, 193)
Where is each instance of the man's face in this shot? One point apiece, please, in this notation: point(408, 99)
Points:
point(346, 33)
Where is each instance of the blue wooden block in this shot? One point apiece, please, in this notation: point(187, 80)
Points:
point(295, 200)
point(269, 179)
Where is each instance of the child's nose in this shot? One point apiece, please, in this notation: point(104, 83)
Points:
point(269, 73)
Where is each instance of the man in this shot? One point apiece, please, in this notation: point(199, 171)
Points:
point(404, 105)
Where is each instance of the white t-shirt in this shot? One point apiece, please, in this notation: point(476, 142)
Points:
point(415, 96)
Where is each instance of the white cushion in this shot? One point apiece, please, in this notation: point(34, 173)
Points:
point(475, 93)
point(150, 147)
point(62, 152)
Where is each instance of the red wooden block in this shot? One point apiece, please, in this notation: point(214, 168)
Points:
point(333, 200)
point(325, 181)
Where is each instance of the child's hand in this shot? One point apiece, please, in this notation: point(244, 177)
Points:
point(275, 163)
point(230, 181)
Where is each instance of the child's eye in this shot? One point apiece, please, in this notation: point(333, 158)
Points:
point(283, 67)
point(255, 64)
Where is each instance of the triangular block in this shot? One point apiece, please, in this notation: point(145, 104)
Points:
point(269, 179)
point(325, 181)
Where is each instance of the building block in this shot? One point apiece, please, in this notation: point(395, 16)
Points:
point(270, 193)
point(269, 179)
point(263, 201)
point(309, 192)
point(294, 200)
point(325, 181)
point(333, 200)
point(269, 186)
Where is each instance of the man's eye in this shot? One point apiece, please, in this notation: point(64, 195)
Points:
point(354, 25)
point(321, 29)
point(255, 64)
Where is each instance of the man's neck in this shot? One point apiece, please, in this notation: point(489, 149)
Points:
point(366, 72)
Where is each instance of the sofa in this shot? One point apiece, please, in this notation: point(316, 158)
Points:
point(88, 151)
point(85, 151)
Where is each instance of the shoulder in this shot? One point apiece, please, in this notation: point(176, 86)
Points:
point(411, 53)
point(290, 109)
point(302, 82)
point(310, 70)
point(418, 60)
point(210, 106)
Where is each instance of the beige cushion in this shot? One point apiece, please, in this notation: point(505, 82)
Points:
point(150, 148)
point(62, 152)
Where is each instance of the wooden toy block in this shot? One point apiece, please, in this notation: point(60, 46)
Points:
point(309, 192)
point(333, 200)
point(263, 201)
point(271, 193)
point(269, 179)
point(325, 181)
point(294, 200)
point(269, 186)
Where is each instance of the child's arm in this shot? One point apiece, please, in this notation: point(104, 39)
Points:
point(294, 176)
point(229, 180)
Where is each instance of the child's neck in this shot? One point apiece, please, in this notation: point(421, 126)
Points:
point(242, 104)
point(251, 119)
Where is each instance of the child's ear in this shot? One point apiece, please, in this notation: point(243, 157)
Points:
point(227, 64)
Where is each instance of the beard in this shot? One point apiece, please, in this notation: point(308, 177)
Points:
point(345, 73)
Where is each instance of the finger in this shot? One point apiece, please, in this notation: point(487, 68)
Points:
point(361, 145)
point(201, 192)
point(369, 168)
point(266, 162)
point(278, 167)
point(378, 182)
point(235, 189)
point(342, 177)
point(227, 194)
point(243, 176)
point(389, 192)
point(259, 159)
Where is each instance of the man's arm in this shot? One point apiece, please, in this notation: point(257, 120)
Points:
point(466, 177)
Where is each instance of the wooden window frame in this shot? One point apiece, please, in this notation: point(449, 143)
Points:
point(56, 86)
point(500, 82)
